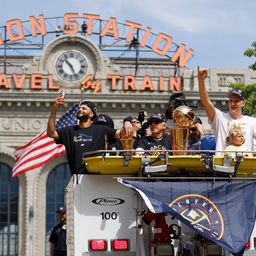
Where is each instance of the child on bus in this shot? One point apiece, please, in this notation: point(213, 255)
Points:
point(236, 142)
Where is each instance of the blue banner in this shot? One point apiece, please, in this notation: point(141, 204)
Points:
point(222, 211)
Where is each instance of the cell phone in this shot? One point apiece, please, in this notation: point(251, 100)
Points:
point(62, 93)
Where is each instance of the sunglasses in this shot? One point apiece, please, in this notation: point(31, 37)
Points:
point(135, 122)
point(193, 129)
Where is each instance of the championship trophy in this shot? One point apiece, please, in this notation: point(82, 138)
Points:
point(127, 143)
point(183, 117)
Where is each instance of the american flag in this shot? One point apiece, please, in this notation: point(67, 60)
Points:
point(42, 149)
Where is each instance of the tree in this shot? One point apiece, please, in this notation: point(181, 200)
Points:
point(249, 92)
point(251, 52)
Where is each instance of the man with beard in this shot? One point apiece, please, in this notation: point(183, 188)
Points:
point(84, 137)
point(198, 140)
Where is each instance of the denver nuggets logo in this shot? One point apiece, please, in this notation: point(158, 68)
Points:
point(202, 214)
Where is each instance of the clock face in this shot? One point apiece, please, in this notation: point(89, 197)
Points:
point(71, 66)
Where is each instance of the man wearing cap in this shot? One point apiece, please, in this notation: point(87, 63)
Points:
point(84, 137)
point(103, 119)
point(136, 125)
point(221, 121)
point(158, 140)
point(58, 246)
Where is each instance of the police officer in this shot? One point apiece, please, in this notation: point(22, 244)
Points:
point(58, 246)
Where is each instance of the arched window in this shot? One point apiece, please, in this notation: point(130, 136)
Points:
point(9, 194)
point(55, 197)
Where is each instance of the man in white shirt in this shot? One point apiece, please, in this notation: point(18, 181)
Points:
point(221, 121)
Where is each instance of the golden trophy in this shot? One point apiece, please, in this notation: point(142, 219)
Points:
point(183, 117)
point(127, 143)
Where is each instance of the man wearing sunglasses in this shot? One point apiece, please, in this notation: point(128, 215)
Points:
point(198, 140)
point(221, 121)
point(158, 141)
point(136, 125)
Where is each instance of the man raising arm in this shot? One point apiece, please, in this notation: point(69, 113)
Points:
point(222, 122)
point(205, 100)
point(51, 132)
point(84, 137)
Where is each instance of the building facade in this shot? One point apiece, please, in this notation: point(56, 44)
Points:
point(119, 86)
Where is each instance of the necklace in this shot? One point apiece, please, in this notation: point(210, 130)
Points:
point(157, 139)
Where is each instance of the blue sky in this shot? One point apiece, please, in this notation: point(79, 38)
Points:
point(218, 31)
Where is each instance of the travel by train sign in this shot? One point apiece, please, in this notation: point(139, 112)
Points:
point(129, 83)
point(15, 31)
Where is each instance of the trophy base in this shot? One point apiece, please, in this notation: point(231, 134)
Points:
point(179, 140)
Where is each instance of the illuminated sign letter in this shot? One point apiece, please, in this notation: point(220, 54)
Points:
point(181, 55)
point(147, 84)
point(113, 79)
point(168, 41)
point(129, 82)
point(37, 25)
point(175, 83)
point(90, 18)
point(161, 83)
point(70, 25)
point(3, 81)
point(145, 37)
point(132, 26)
point(18, 83)
point(1, 40)
point(110, 28)
point(36, 81)
point(14, 35)
point(51, 85)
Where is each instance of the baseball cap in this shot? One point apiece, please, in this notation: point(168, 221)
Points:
point(130, 118)
point(90, 105)
point(197, 120)
point(156, 117)
point(237, 92)
point(104, 119)
point(62, 209)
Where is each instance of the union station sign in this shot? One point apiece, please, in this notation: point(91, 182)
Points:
point(71, 60)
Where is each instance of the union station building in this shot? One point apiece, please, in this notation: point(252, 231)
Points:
point(123, 67)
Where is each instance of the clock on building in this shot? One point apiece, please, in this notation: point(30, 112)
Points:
point(71, 65)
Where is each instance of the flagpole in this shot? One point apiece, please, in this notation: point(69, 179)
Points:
point(82, 93)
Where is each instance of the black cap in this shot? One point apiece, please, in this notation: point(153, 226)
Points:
point(197, 120)
point(104, 119)
point(157, 116)
point(90, 105)
point(62, 210)
point(237, 92)
point(130, 118)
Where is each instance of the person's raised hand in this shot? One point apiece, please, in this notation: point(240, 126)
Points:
point(200, 130)
point(59, 100)
point(201, 73)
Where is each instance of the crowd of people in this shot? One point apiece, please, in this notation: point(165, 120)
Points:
point(232, 131)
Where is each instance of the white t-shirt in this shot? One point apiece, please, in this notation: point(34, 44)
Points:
point(221, 123)
point(241, 148)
